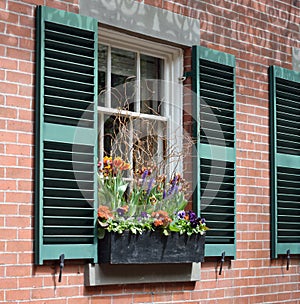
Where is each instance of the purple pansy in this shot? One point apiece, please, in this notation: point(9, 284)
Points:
point(181, 214)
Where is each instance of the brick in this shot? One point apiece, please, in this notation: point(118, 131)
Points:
point(26, 162)
point(19, 77)
point(1, 169)
point(8, 258)
point(19, 246)
point(8, 136)
point(122, 299)
point(67, 291)
point(18, 149)
point(75, 280)
point(74, 300)
point(35, 2)
point(20, 102)
point(18, 197)
point(25, 90)
point(55, 4)
point(9, 234)
point(25, 138)
point(8, 88)
point(26, 115)
point(8, 161)
point(20, 126)
point(27, 21)
point(43, 293)
point(18, 271)
point(102, 300)
point(25, 185)
point(181, 296)
point(8, 283)
point(20, 8)
point(18, 173)
point(25, 258)
point(8, 185)
point(2, 49)
point(18, 54)
point(16, 30)
point(14, 295)
point(30, 282)
point(25, 66)
point(8, 64)
point(9, 17)
point(18, 222)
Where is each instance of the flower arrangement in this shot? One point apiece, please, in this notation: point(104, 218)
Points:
point(148, 202)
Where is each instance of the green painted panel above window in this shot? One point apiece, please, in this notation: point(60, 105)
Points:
point(285, 160)
point(213, 82)
point(66, 136)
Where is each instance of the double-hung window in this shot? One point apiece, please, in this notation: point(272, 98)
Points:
point(139, 104)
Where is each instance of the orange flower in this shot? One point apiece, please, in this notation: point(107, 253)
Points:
point(158, 223)
point(104, 213)
point(161, 218)
point(125, 166)
point(118, 162)
point(107, 160)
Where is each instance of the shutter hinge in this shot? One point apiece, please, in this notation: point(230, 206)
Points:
point(187, 74)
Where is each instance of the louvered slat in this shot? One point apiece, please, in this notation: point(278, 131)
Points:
point(287, 116)
point(216, 103)
point(217, 200)
point(76, 50)
point(285, 160)
point(288, 201)
point(214, 110)
point(56, 225)
point(66, 136)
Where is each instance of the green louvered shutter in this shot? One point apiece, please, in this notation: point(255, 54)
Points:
point(66, 136)
point(285, 160)
point(213, 82)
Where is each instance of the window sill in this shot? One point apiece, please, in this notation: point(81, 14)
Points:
point(108, 274)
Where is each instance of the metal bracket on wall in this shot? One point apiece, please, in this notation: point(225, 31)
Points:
point(222, 262)
point(61, 266)
point(288, 259)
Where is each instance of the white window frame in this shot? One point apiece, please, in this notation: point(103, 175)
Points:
point(173, 70)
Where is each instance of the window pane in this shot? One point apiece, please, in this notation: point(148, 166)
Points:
point(117, 136)
point(102, 74)
point(151, 87)
point(140, 141)
point(149, 140)
point(123, 79)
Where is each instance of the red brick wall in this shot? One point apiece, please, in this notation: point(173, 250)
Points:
point(259, 35)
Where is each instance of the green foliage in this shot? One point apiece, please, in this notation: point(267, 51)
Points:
point(148, 203)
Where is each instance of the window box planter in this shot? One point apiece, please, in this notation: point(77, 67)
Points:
point(150, 248)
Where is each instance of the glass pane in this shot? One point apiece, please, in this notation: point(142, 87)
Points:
point(149, 140)
point(117, 136)
point(102, 74)
point(123, 79)
point(151, 87)
point(140, 141)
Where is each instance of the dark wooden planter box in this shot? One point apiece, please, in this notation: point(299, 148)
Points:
point(150, 247)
